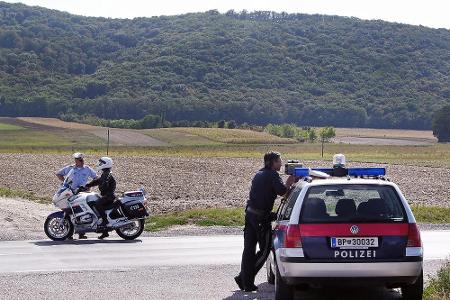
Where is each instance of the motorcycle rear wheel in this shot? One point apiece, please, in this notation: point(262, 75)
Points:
point(133, 231)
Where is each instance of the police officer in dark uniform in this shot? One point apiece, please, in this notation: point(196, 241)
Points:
point(266, 185)
point(107, 186)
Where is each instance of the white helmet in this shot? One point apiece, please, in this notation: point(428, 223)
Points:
point(104, 163)
point(78, 155)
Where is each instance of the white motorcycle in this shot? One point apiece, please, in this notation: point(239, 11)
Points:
point(126, 215)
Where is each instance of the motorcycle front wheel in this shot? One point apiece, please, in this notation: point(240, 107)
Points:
point(57, 227)
point(132, 231)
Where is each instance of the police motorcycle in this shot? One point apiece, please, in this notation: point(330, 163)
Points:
point(126, 215)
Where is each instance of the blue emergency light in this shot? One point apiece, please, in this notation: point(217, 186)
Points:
point(366, 171)
point(357, 172)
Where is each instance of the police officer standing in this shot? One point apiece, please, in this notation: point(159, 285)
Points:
point(266, 185)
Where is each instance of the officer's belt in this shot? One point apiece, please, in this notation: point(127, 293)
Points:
point(257, 212)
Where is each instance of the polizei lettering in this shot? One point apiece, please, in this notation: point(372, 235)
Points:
point(355, 253)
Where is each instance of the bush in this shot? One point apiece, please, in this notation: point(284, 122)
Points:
point(441, 124)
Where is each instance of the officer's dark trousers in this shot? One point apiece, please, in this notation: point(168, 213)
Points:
point(257, 231)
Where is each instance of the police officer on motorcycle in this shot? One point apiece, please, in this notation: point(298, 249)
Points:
point(266, 185)
point(107, 186)
point(80, 172)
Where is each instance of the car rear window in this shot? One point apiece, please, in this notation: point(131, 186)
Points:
point(352, 203)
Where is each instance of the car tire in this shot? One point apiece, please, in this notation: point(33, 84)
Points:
point(413, 291)
point(270, 275)
point(283, 291)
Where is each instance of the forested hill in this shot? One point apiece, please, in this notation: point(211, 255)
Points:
point(250, 67)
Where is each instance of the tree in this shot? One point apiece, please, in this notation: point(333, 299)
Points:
point(327, 133)
point(441, 124)
point(151, 121)
point(221, 124)
point(231, 124)
point(311, 135)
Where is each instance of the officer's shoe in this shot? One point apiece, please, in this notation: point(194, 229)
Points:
point(251, 288)
point(104, 235)
point(239, 282)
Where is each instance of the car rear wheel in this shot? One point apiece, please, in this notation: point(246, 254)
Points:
point(270, 275)
point(283, 291)
point(413, 291)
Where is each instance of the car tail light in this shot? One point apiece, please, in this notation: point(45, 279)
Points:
point(293, 237)
point(414, 236)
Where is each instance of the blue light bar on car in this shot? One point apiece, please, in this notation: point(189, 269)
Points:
point(301, 172)
point(366, 171)
point(304, 172)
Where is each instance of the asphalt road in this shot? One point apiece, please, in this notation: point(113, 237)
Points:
point(185, 267)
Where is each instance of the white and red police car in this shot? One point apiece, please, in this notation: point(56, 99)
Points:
point(345, 226)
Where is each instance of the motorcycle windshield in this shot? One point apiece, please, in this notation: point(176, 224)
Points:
point(62, 189)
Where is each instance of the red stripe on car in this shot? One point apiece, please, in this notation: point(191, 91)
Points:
point(337, 230)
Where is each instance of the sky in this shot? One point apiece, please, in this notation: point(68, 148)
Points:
point(430, 13)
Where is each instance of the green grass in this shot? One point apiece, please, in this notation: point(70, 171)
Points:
point(235, 217)
point(30, 140)
point(5, 192)
point(8, 127)
point(431, 214)
point(439, 286)
point(199, 217)
point(217, 136)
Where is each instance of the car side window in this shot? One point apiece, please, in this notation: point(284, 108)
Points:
point(287, 208)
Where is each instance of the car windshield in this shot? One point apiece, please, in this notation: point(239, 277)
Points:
point(352, 203)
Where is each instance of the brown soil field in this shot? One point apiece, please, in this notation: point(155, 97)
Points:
point(384, 136)
point(176, 183)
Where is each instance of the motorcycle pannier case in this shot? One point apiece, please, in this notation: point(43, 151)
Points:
point(134, 210)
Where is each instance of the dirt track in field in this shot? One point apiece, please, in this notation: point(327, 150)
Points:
point(124, 137)
point(182, 183)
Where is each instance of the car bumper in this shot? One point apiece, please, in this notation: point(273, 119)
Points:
point(404, 272)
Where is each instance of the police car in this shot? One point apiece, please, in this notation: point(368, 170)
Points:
point(345, 226)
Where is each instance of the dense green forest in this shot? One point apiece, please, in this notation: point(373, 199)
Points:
point(259, 68)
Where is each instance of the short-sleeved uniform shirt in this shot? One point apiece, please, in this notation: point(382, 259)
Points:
point(81, 175)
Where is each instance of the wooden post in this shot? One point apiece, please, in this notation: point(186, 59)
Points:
point(323, 141)
point(107, 145)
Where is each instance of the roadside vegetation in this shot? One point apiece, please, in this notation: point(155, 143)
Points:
point(439, 286)
point(8, 193)
point(199, 217)
point(235, 217)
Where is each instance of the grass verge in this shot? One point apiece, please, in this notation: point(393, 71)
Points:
point(235, 217)
point(431, 214)
point(199, 217)
point(5, 192)
point(439, 286)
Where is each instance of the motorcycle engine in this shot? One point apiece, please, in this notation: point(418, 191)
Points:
point(84, 219)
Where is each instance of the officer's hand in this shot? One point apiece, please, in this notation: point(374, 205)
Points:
point(273, 216)
point(290, 181)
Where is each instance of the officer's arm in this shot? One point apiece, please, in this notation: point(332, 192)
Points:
point(93, 174)
point(278, 185)
point(61, 173)
point(94, 182)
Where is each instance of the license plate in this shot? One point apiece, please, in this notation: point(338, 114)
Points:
point(354, 242)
